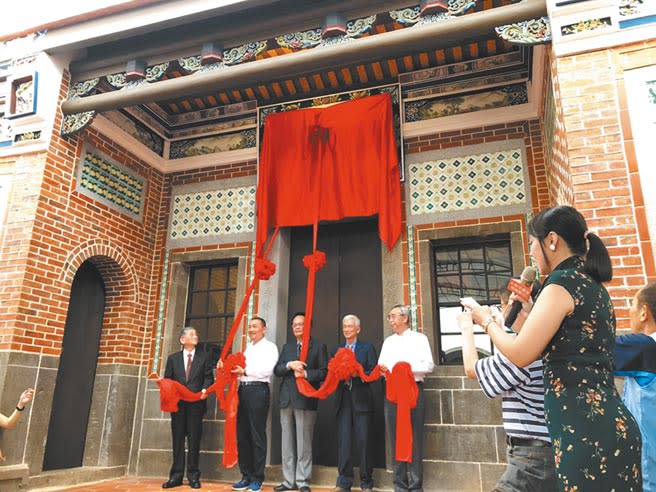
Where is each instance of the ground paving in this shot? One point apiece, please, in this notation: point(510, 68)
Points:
point(133, 484)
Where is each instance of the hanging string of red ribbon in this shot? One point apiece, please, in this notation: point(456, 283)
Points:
point(310, 161)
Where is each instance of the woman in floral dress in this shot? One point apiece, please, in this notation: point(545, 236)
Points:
point(596, 441)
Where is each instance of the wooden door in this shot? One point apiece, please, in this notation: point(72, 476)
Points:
point(350, 283)
point(77, 370)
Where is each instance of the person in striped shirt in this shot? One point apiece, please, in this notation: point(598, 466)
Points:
point(529, 453)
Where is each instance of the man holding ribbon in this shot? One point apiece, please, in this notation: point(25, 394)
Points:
point(410, 348)
point(297, 412)
point(193, 369)
point(354, 408)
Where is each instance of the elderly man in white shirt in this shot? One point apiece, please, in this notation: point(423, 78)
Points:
point(412, 347)
point(254, 396)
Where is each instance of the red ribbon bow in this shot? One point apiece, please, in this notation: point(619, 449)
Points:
point(264, 269)
point(316, 261)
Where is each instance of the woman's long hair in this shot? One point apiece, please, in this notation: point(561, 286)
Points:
point(570, 225)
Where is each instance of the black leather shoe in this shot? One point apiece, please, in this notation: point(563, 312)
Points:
point(283, 488)
point(305, 488)
point(195, 484)
point(169, 484)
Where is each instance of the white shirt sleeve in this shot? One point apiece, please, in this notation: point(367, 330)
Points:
point(423, 363)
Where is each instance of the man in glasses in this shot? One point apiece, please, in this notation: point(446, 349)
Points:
point(405, 345)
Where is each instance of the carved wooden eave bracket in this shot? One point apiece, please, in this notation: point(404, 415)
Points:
point(355, 42)
point(530, 32)
point(75, 122)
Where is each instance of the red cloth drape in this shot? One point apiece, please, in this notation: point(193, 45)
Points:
point(402, 389)
point(339, 161)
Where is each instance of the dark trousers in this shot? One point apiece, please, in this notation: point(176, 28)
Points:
point(186, 423)
point(351, 423)
point(408, 477)
point(251, 430)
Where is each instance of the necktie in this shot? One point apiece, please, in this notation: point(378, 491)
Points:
point(188, 368)
point(351, 347)
point(298, 351)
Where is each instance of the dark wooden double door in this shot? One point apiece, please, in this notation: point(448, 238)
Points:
point(350, 283)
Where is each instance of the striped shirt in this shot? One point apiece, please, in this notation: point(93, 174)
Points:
point(522, 393)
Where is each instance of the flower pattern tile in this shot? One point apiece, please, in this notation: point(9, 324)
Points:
point(484, 180)
point(213, 213)
point(108, 182)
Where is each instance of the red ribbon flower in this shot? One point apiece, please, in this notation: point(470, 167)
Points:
point(316, 261)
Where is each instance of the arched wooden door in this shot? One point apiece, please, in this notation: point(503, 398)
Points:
point(77, 370)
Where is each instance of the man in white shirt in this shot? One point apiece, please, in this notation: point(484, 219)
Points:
point(254, 396)
point(412, 347)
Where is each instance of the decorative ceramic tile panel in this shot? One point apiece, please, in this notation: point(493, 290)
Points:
point(213, 213)
point(483, 180)
point(160, 313)
point(102, 179)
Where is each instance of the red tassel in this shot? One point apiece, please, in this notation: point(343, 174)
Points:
point(229, 403)
point(402, 389)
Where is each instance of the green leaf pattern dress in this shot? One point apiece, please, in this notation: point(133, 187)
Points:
point(596, 441)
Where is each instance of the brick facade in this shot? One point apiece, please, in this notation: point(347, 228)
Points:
point(602, 161)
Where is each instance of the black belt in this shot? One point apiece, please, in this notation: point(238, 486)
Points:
point(251, 383)
point(523, 441)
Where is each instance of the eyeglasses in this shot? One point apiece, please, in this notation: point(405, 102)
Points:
point(391, 316)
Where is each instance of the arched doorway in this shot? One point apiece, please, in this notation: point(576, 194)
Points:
point(77, 368)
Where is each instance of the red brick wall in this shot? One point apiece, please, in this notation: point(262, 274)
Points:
point(602, 161)
point(529, 131)
point(557, 164)
point(69, 228)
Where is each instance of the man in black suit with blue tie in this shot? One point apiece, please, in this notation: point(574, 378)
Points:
point(193, 369)
point(297, 412)
point(354, 407)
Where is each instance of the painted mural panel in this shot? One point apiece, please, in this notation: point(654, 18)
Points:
point(497, 97)
point(224, 142)
point(137, 130)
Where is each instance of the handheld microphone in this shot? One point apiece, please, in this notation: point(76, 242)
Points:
point(523, 289)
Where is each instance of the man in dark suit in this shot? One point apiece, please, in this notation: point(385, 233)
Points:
point(354, 407)
point(298, 413)
point(193, 369)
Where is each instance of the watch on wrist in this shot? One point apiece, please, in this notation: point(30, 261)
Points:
point(486, 325)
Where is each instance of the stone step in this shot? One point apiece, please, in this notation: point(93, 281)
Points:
point(74, 476)
point(439, 476)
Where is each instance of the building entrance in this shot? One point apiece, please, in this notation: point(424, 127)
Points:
point(350, 283)
point(77, 370)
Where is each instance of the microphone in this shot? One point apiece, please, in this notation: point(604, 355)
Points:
point(523, 288)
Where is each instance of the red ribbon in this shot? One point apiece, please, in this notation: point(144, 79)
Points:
point(225, 387)
point(315, 262)
point(264, 269)
point(340, 368)
point(402, 389)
